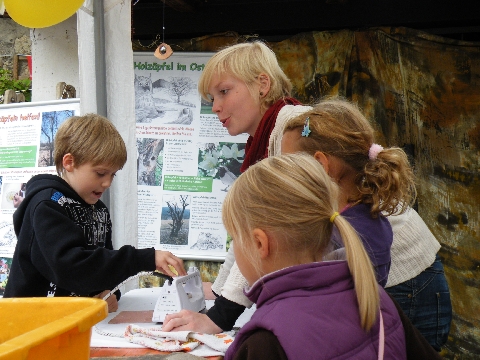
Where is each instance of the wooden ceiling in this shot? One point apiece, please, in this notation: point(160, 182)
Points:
point(275, 20)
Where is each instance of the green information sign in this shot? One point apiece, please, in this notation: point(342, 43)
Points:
point(188, 183)
point(18, 156)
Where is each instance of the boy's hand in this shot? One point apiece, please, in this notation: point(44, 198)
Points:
point(165, 258)
point(111, 300)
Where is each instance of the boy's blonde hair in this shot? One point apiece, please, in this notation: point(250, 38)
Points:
point(90, 138)
point(246, 62)
point(338, 128)
point(292, 199)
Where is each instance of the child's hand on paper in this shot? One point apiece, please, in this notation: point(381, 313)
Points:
point(169, 264)
point(187, 320)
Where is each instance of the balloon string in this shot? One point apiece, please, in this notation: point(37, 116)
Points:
point(163, 23)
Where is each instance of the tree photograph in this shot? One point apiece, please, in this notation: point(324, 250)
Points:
point(51, 120)
point(149, 161)
point(175, 220)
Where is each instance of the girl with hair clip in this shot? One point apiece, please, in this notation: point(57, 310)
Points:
point(250, 94)
point(306, 308)
point(373, 180)
point(377, 190)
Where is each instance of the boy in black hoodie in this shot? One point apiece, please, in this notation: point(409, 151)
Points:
point(64, 231)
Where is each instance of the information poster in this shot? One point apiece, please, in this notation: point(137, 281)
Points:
point(186, 160)
point(27, 131)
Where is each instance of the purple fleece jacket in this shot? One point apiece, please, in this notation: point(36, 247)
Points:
point(312, 309)
point(376, 235)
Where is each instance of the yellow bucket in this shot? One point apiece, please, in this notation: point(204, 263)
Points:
point(48, 328)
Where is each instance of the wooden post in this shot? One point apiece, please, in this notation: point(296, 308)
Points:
point(15, 67)
point(12, 97)
point(59, 90)
point(9, 97)
point(16, 59)
point(20, 97)
point(65, 91)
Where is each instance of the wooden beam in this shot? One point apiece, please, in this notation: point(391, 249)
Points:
point(16, 59)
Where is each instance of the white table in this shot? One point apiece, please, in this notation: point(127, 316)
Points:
point(138, 300)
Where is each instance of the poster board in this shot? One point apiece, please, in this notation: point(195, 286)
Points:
point(27, 131)
point(186, 159)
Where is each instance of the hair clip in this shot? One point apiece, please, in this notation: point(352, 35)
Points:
point(306, 128)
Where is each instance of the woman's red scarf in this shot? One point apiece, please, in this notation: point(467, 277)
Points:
point(257, 146)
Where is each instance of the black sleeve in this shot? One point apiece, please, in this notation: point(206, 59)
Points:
point(262, 344)
point(224, 313)
point(418, 347)
point(70, 265)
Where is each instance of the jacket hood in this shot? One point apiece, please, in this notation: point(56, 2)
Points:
point(39, 183)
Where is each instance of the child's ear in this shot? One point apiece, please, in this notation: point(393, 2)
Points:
point(322, 159)
point(262, 243)
point(264, 82)
point(67, 162)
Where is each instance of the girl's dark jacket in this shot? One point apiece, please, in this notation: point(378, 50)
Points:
point(64, 245)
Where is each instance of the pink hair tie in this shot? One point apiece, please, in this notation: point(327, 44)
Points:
point(375, 149)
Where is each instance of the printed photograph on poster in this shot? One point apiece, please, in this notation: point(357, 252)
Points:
point(5, 264)
point(166, 92)
point(165, 100)
point(207, 241)
point(149, 161)
point(12, 195)
point(51, 121)
point(222, 161)
point(175, 220)
point(8, 239)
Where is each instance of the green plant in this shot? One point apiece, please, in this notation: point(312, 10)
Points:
point(8, 83)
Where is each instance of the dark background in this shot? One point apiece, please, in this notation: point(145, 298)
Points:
point(276, 20)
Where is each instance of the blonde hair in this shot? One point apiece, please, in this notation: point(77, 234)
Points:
point(298, 220)
point(338, 128)
point(246, 61)
point(90, 138)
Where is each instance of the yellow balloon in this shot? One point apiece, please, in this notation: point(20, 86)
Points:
point(41, 13)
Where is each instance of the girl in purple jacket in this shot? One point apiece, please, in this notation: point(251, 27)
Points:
point(281, 213)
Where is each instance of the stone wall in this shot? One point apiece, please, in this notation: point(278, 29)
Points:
point(15, 40)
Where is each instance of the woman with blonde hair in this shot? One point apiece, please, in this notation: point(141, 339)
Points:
point(250, 94)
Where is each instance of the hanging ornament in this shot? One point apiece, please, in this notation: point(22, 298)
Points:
point(163, 51)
